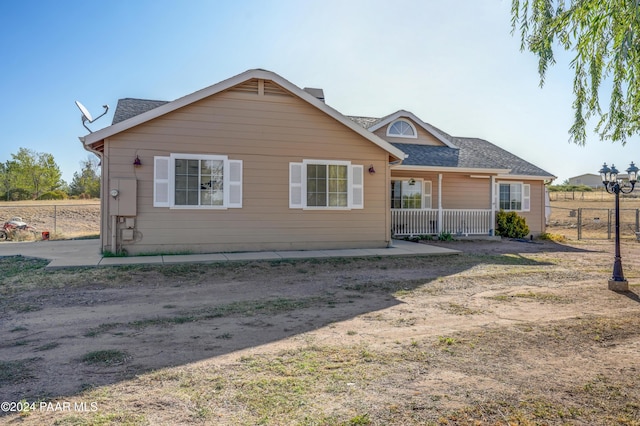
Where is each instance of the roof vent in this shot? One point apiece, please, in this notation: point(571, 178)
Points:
point(316, 93)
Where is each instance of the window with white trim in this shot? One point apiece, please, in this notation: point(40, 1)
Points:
point(410, 194)
point(402, 129)
point(197, 181)
point(514, 196)
point(323, 184)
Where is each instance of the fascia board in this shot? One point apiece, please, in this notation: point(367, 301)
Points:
point(402, 113)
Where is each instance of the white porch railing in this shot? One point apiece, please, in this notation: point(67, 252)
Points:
point(454, 221)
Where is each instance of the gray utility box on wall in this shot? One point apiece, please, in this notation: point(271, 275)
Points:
point(125, 203)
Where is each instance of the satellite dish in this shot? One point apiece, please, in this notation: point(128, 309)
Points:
point(86, 116)
point(85, 113)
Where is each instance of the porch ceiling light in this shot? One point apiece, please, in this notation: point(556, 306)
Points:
point(412, 181)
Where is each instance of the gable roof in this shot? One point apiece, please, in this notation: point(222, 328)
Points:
point(131, 106)
point(381, 122)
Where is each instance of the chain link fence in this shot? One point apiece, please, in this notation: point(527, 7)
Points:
point(594, 223)
point(58, 220)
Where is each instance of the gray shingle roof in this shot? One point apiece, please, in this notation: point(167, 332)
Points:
point(130, 107)
point(472, 153)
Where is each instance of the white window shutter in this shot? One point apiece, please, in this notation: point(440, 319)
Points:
point(295, 186)
point(428, 190)
point(235, 184)
point(526, 197)
point(357, 187)
point(161, 181)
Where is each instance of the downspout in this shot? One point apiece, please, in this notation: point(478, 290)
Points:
point(440, 212)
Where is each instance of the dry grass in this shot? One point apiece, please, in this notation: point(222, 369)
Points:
point(506, 334)
point(509, 333)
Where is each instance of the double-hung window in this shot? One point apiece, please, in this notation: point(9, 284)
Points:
point(196, 181)
point(514, 196)
point(410, 194)
point(324, 184)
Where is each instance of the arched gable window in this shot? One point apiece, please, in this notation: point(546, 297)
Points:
point(402, 129)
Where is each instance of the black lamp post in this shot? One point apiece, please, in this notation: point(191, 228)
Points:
point(613, 185)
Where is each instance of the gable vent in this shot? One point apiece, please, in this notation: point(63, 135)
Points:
point(249, 86)
point(260, 87)
point(270, 88)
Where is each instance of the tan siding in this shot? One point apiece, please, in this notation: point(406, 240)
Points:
point(266, 133)
point(463, 192)
point(535, 218)
point(424, 137)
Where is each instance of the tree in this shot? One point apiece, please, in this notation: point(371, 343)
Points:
point(7, 179)
point(605, 36)
point(34, 172)
point(86, 182)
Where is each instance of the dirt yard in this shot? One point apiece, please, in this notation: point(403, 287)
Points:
point(506, 333)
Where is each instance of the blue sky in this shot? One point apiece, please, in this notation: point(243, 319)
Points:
point(453, 63)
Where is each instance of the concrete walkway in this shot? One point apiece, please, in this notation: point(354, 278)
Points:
point(72, 253)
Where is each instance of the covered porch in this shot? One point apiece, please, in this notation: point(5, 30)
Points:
point(431, 202)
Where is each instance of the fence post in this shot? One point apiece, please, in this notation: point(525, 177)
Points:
point(55, 219)
point(579, 224)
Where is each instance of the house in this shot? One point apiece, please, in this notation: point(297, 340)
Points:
point(257, 163)
point(588, 179)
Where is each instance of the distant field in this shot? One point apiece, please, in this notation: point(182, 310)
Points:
point(61, 218)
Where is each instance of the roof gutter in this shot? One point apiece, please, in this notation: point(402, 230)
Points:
point(499, 172)
point(546, 178)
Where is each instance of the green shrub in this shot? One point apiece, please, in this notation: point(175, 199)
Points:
point(53, 195)
point(445, 236)
point(511, 225)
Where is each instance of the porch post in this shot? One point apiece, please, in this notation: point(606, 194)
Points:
point(440, 215)
point(492, 191)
